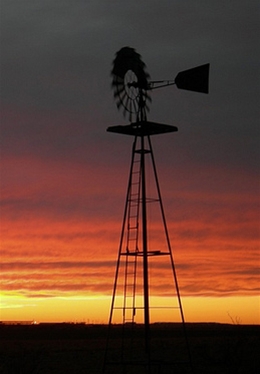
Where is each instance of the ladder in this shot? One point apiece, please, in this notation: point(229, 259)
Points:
point(132, 236)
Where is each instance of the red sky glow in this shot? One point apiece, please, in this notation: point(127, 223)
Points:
point(64, 178)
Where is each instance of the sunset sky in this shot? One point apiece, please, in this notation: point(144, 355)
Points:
point(64, 178)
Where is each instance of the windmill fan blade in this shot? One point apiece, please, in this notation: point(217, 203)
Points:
point(147, 108)
point(116, 83)
point(118, 104)
point(127, 103)
point(195, 79)
point(122, 98)
point(119, 91)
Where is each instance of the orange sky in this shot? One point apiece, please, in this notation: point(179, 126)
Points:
point(63, 178)
point(59, 246)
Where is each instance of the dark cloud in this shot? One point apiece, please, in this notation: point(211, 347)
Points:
point(56, 103)
point(57, 59)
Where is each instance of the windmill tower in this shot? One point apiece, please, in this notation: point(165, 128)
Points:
point(132, 343)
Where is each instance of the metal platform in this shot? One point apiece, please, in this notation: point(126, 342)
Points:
point(143, 128)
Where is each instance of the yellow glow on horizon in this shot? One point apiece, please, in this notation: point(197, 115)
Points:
point(96, 308)
point(232, 309)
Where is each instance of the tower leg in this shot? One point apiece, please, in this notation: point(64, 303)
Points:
point(170, 252)
point(145, 255)
point(128, 297)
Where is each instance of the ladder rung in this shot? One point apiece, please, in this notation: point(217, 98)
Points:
point(133, 227)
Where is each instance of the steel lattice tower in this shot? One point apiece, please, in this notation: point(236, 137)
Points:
point(131, 306)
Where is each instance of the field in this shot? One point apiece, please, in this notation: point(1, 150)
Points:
point(80, 348)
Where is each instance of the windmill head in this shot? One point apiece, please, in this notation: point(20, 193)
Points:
point(132, 87)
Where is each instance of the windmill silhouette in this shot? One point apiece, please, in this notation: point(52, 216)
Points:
point(138, 254)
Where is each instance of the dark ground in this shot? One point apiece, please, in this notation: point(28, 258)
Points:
point(79, 348)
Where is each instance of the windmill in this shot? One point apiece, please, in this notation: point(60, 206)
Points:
point(131, 305)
